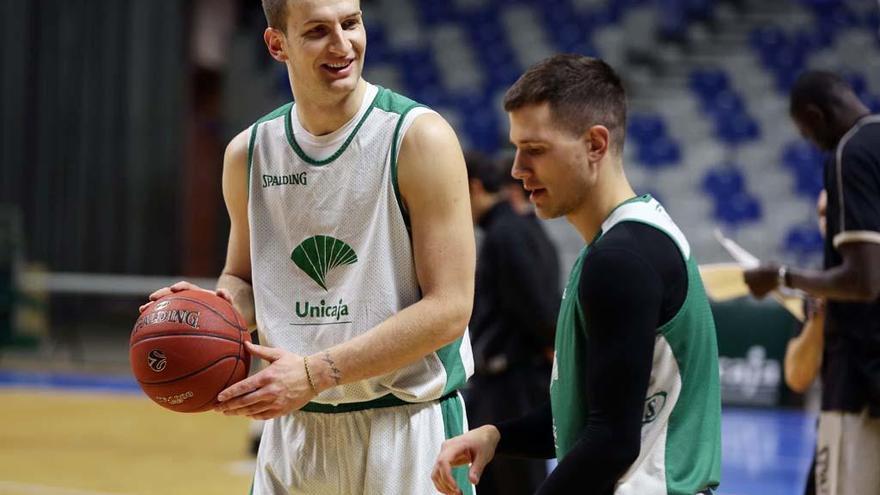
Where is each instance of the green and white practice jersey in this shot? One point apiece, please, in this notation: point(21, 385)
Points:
point(681, 427)
point(331, 253)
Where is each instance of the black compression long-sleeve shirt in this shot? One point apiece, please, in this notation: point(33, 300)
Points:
point(633, 280)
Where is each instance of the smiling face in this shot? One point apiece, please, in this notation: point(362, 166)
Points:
point(323, 47)
point(550, 161)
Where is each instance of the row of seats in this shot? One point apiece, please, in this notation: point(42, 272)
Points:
point(502, 37)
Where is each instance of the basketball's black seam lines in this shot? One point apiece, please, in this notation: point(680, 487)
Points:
point(213, 398)
point(246, 372)
point(186, 334)
point(235, 325)
point(232, 373)
point(203, 368)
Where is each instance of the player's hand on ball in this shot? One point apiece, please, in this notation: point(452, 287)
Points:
point(280, 388)
point(476, 447)
point(762, 280)
point(181, 286)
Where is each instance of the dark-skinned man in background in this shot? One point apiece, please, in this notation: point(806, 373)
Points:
point(829, 114)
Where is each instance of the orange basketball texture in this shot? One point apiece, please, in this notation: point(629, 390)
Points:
point(187, 347)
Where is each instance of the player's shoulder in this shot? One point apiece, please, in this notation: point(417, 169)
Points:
point(429, 133)
point(237, 149)
point(426, 123)
point(865, 140)
point(631, 239)
point(274, 114)
point(627, 235)
point(393, 102)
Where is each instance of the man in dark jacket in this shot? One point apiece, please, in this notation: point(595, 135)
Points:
point(512, 326)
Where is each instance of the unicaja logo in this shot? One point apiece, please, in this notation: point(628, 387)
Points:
point(318, 255)
point(156, 360)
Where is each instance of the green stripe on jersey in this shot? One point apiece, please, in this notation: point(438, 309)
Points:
point(450, 356)
point(453, 426)
point(394, 152)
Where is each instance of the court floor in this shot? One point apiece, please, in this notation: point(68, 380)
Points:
point(765, 451)
point(80, 435)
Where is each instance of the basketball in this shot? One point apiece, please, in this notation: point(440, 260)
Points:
point(187, 347)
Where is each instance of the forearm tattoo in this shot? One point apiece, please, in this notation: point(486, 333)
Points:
point(335, 373)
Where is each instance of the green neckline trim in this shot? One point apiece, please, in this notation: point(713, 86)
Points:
point(288, 129)
point(644, 198)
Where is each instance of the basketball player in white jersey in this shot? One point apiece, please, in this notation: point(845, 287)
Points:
point(351, 250)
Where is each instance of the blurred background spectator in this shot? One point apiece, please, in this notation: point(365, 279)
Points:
point(512, 328)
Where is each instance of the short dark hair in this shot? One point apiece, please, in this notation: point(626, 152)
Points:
point(823, 89)
point(276, 13)
point(582, 91)
point(484, 169)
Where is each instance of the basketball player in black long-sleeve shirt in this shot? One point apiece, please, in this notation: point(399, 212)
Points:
point(623, 317)
point(635, 400)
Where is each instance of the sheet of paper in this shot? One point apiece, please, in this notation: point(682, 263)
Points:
point(723, 281)
point(791, 299)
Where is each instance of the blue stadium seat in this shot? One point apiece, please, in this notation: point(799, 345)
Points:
point(706, 83)
point(804, 240)
point(661, 152)
point(723, 182)
point(699, 10)
point(813, 38)
point(800, 154)
point(768, 37)
point(427, 73)
point(723, 104)
point(433, 12)
point(808, 182)
point(738, 209)
point(643, 128)
point(737, 128)
point(872, 102)
point(805, 163)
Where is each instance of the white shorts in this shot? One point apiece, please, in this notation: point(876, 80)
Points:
point(848, 454)
point(379, 451)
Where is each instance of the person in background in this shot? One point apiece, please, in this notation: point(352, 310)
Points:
point(828, 113)
point(513, 323)
point(803, 355)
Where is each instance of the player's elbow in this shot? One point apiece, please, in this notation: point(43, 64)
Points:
point(620, 460)
point(870, 291)
point(456, 315)
point(865, 291)
point(862, 285)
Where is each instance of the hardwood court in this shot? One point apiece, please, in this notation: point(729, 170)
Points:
point(55, 443)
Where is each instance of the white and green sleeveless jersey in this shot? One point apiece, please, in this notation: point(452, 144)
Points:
point(681, 426)
point(331, 254)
